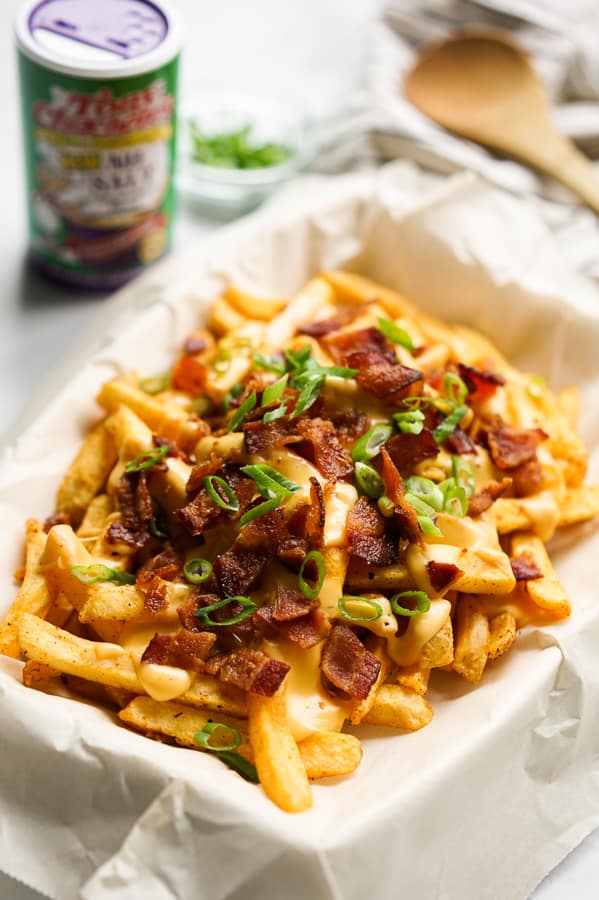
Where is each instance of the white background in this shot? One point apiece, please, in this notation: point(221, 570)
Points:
point(307, 52)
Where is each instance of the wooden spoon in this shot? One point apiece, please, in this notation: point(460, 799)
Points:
point(479, 84)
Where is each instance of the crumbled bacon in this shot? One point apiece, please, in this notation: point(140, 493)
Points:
point(347, 664)
point(118, 533)
point(385, 379)
point(366, 340)
point(199, 513)
point(528, 478)
point(366, 535)
point(486, 495)
point(394, 488)
point(173, 447)
point(460, 443)
point(250, 670)
point(134, 500)
point(188, 608)
point(342, 317)
point(237, 569)
point(308, 520)
point(350, 424)
point(184, 649)
point(259, 437)
point(189, 375)
point(442, 575)
point(481, 384)
point(154, 591)
point(306, 631)
point(291, 551)
point(196, 342)
point(510, 447)
point(525, 567)
point(290, 604)
point(407, 450)
point(325, 449)
point(200, 471)
point(56, 518)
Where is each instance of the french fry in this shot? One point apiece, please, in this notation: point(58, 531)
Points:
point(95, 516)
point(438, 650)
point(546, 592)
point(174, 424)
point(327, 754)
point(359, 709)
point(305, 304)
point(578, 505)
point(87, 473)
point(38, 675)
point(568, 403)
point(224, 318)
point(502, 631)
point(278, 761)
point(415, 677)
point(252, 306)
point(352, 288)
point(471, 640)
point(33, 594)
point(362, 577)
point(208, 693)
point(508, 515)
point(396, 706)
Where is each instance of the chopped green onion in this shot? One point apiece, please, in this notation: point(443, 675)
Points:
point(211, 483)
point(242, 411)
point(235, 149)
point(386, 506)
point(422, 507)
point(273, 363)
point(240, 765)
point(463, 474)
point(99, 572)
point(274, 391)
point(336, 371)
point(377, 609)
point(368, 480)
point(423, 603)
point(232, 394)
point(456, 500)
point(269, 481)
point(311, 592)
point(257, 511)
point(454, 388)
point(249, 607)
point(197, 570)
point(536, 387)
point(428, 526)
point(147, 459)
point(273, 414)
point(369, 445)
point(409, 422)
point(395, 334)
point(426, 490)
point(309, 394)
point(155, 384)
point(298, 358)
point(203, 737)
point(449, 425)
point(158, 525)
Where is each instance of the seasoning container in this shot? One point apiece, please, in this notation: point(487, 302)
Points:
point(98, 88)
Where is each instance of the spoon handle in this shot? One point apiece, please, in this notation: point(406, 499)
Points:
point(561, 159)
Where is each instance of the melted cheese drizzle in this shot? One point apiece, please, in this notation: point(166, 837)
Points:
point(160, 682)
point(406, 650)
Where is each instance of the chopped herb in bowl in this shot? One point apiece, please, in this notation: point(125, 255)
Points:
point(235, 149)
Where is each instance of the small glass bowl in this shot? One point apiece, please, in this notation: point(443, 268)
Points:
point(228, 192)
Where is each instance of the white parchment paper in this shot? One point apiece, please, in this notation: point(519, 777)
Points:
point(505, 781)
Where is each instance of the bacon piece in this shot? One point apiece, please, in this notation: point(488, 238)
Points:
point(189, 375)
point(306, 631)
point(118, 533)
point(524, 567)
point(366, 535)
point(328, 454)
point(259, 437)
point(481, 384)
point(195, 343)
point(153, 589)
point(290, 604)
point(187, 610)
point(202, 428)
point(347, 664)
point(528, 478)
point(201, 470)
point(442, 575)
point(342, 317)
point(307, 521)
point(385, 379)
point(511, 447)
point(486, 495)
point(197, 515)
point(134, 500)
point(291, 552)
point(184, 649)
point(56, 519)
point(394, 488)
point(250, 670)
point(349, 424)
point(366, 340)
point(406, 450)
point(237, 569)
point(460, 443)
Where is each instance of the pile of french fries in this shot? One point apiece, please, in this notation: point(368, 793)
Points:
point(89, 635)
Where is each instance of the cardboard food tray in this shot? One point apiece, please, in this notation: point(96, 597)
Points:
point(483, 802)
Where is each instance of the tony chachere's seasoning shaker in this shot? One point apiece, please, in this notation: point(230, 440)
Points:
point(98, 89)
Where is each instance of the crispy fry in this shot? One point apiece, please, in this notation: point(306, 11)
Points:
point(502, 631)
point(438, 650)
point(352, 288)
point(362, 577)
point(224, 317)
point(302, 307)
point(173, 424)
point(33, 594)
point(278, 761)
point(95, 516)
point(415, 677)
point(471, 640)
point(546, 592)
point(397, 706)
point(252, 306)
point(579, 504)
point(38, 675)
point(326, 754)
point(86, 474)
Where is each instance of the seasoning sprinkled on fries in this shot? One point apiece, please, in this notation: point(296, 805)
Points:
point(324, 500)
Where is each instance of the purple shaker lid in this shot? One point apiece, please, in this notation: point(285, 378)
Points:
point(127, 28)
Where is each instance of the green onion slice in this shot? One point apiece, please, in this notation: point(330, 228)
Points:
point(449, 425)
point(377, 609)
point(274, 391)
point(310, 392)
point(386, 506)
point(240, 765)
point(395, 333)
point(147, 459)
point(248, 605)
point(269, 481)
point(257, 511)
point(270, 363)
point(423, 603)
point(232, 394)
point(463, 474)
point(197, 570)
point(369, 445)
point(428, 526)
point(454, 388)
point(307, 590)
point(242, 411)
point(203, 737)
point(368, 480)
point(422, 507)
point(99, 572)
point(426, 489)
point(216, 487)
point(409, 422)
point(456, 500)
point(155, 384)
point(298, 358)
point(277, 413)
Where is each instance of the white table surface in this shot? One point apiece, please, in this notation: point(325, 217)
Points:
point(309, 51)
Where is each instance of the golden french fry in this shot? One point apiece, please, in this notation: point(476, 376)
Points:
point(352, 288)
point(278, 761)
point(224, 317)
point(502, 631)
point(172, 424)
point(471, 640)
point(38, 675)
point(131, 434)
point(326, 754)
point(316, 294)
point(508, 515)
point(579, 504)
point(208, 693)
point(33, 593)
point(415, 677)
point(546, 592)
point(359, 709)
point(88, 690)
point(568, 403)
point(483, 574)
point(252, 306)
point(396, 706)
point(438, 650)
point(87, 473)
point(95, 516)
point(362, 577)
